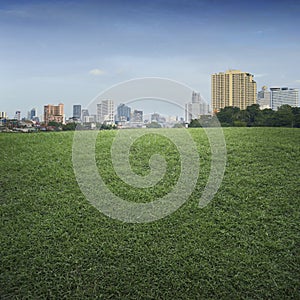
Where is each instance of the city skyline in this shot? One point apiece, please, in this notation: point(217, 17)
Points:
point(47, 57)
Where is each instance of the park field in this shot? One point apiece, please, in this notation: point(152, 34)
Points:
point(243, 245)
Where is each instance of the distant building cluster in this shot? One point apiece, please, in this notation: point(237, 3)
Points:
point(232, 88)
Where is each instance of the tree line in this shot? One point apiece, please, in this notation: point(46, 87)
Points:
point(253, 116)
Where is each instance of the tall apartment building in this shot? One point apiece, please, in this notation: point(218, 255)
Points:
point(105, 112)
point(196, 108)
point(54, 113)
point(264, 98)
point(232, 88)
point(77, 111)
point(284, 95)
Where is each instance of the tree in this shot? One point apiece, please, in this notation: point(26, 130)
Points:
point(284, 116)
point(296, 113)
point(227, 115)
point(194, 123)
point(252, 113)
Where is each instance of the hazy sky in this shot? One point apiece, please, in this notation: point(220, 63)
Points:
point(70, 51)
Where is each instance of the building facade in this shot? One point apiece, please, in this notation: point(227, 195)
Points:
point(123, 113)
point(232, 88)
point(196, 108)
point(105, 112)
point(3, 115)
point(137, 116)
point(33, 113)
point(284, 95)
point(54, 113)
point(77, 111)
point(264, 98)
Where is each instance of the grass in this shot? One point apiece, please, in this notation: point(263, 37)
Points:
point(243, 245)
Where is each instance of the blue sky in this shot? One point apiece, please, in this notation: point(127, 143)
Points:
point(70, 51)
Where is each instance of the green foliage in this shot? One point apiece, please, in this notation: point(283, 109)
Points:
point(69, 126)
point(194, 123)
point(252, 116)
point(243, 245)
point(54, 124)
point(153, 125)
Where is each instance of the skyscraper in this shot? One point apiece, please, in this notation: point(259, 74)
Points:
point(196, 108)
point(284, 95)
point(33, 113)
point(264, 98)
point(123, 113)
point(77, 111)
point(18, 115)
point(232, 88)
point(105, 112)
point(54, 113)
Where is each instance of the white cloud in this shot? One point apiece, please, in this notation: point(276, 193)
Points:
point(297, 81)
point(97, 72)
point(260, 75)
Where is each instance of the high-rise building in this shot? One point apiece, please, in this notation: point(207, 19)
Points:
point(196, 108)
point(264, 98)
point(33, 113)
point(105, 112)
point(77, 111)
point(18, 115)
point(3, 115)
point(232, 88)
point(123, 112)
point(284, 95)
point(137, 116)
point(54, 113)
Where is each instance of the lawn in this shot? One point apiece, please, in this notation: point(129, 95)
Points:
point(243, 245)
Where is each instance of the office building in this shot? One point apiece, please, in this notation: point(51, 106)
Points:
point(54, 113)
point(232, 88)
point(196, 108)
point(284, 95)
point(33, 114)
point(105, 112)
point(77, 111)
point(264, 98)
point(123, 113)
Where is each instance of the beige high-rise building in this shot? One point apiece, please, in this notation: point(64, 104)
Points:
point(54, 113)
point(232, 88)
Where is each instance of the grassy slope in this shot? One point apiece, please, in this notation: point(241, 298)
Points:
point(245, 244)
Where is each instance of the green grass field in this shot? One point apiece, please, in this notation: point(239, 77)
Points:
point(244, 245)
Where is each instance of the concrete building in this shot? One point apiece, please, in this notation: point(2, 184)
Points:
point(196, 108)
point(18, 115)
point(77, 111)
point(3, 115)
point(123, 112)
point(284, 95)
point(264, 98)
point(54, 113)
point(232, 88)
point(105, 112)
point(137, 116)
